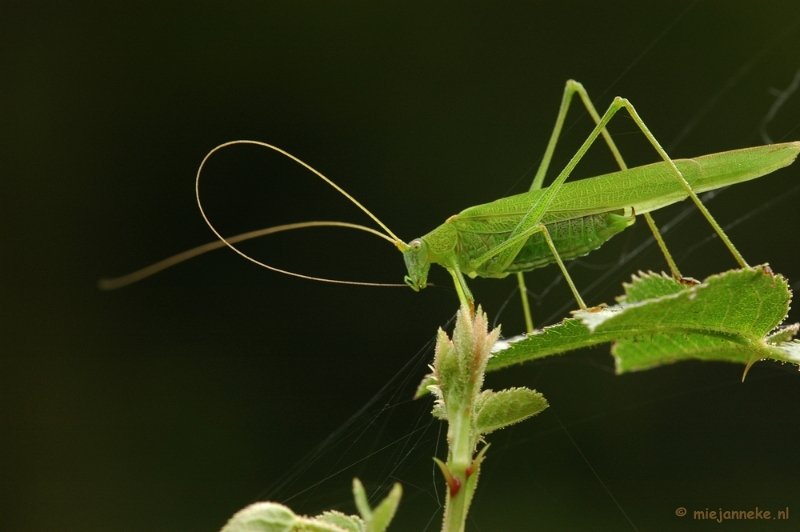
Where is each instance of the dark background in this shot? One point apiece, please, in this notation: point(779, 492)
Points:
point(170, 404)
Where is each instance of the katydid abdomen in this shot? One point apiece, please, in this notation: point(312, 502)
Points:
point(573, 238)
point(644, 188)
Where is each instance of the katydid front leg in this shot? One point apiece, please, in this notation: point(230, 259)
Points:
point(464, 293)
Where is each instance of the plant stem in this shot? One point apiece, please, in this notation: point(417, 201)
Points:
point(458, 370)
point(460, 459)
point(459, 367)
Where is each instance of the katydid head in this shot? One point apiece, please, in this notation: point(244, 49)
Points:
point(417, 263)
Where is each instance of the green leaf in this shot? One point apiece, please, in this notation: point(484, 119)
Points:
point(649, 286)
point(348, 523)
point(740, 305)
point(384, 512)
point(362, 504)
point(726, 317)
point(262, 517)
point(376, 520)
point(424, 386)
point(496, 410)
point(568, 335)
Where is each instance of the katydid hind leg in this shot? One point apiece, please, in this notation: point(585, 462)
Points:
point(619, 103)
point(685, 184)
point(570, 88)
point(587, 102)
point(531, 221)
point(566, 99)
point(538, 181)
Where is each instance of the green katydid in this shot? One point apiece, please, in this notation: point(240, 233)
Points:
point(545, 225)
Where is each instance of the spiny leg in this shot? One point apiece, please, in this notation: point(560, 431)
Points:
point(618, 104)
point(622, 102)
point(531, 221)
point(621, 162)
point(570, 89)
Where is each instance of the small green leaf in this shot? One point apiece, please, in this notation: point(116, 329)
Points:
point(496, 410)
point(384, 512)
point(376, 520)
point(310, 524)
point(439, 410)
point(424, 387)
point(262, 517)
point(783, 334)
point(445, 361)
point(362, 504)
point(349, 523)
point(787, 352)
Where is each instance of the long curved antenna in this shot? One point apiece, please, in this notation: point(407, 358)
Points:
point(119, 282)
point(402, 246)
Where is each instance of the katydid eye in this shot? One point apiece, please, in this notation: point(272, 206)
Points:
point(416, 245)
